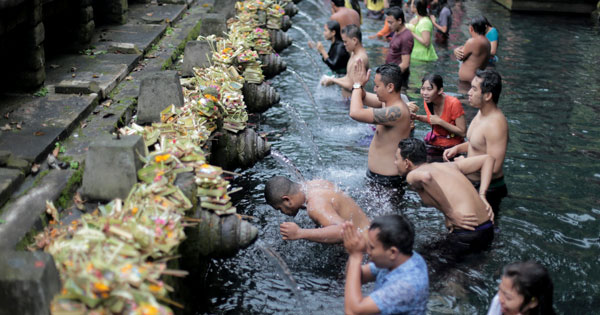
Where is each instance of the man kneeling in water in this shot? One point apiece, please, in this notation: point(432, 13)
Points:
point(325, 204)
point(445, 186)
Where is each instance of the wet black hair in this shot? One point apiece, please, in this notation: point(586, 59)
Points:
point(339, 3)
point(414, 150)
point(421, 6)
point(531, 280)
point(434, 79)
point(333, 25)
point(396, 12)
point(487, 22)
point(395, 230)
point(277, 187)
point(390, 73)
point(490, 82)
point(353, 31)
point(479, 24)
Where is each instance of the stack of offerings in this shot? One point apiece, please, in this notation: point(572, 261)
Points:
point(213, 190)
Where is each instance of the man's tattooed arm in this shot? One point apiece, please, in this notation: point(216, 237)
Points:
point(384, 115)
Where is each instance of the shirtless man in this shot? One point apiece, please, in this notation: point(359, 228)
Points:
point(325, 204)
point(475, 53)
point(487, 134)
point(385, 109)
point(444, 186)
point(352, 38)
point(343, 15)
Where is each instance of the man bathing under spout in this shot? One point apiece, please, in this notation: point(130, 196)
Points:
point(445, 186)
point(325, 204)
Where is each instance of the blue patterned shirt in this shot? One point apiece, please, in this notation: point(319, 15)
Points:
point(403, 290)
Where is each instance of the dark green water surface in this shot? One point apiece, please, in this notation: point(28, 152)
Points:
point(551, 98)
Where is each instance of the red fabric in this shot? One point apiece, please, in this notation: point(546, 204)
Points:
point(385, 31)
point(452, 110)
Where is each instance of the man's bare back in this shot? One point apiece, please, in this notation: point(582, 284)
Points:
point(476, 54)
point(327, 205)
point(450, 191)
point(358, 53)
point(346, 16)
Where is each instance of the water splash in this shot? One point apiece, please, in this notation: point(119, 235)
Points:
point(303, 129)
point(288, 164)
point(284, 272)
point(308, 92)
point(308, 17)
point(320, 7)
point(312, 60)
point(301, 30)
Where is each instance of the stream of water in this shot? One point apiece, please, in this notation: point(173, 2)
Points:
point(551, 95)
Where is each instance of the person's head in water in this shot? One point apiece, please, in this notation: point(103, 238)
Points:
point(410, 154)
point(332, 30)
point(352, 37)
point(432, 89)
point(485, 87)
point(388, 81)
point(395, 18)
point(478, 25)
point(526, 288)
point(419, 7)
point(390, 238)
point(284, 195)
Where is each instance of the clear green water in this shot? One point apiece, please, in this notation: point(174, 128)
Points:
point(551, 97)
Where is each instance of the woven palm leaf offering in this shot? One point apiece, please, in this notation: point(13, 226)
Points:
point(213, 190)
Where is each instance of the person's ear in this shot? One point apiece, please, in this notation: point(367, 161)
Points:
point(286, 200)
point(393, 252)
point(487, 96)
point(533, 303)
point(440, 91)
point(390, 87)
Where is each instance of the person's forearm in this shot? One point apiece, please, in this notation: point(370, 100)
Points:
point(324, 54)
point(452, 128)
point(343, 82)
point(328, 234)
point(462, 148)
point(486, 174)
point(353, 295)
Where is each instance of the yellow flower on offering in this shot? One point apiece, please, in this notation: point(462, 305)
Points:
point(154, 288)
point(126, 268)
point(147, 309)
point(89, 267)
point(134, 210)
point(162, 158)
point(101, 287)
point(211, 97)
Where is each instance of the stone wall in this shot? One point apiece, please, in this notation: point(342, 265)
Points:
point(557, 6)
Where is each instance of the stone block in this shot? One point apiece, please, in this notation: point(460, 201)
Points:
point(35, 15)
point(35, 36)
point(17, 163)
point(86, 14)
point(4, 156)
point(29, 79)
point(172, 1)
point(28, 282)
point(213, 23)
point(85, 32)
point(158, 90)
point(10, 179)
point(76, 87)
point(124, 48)
point(35, 58)
point(197, 53)
point(111, 167)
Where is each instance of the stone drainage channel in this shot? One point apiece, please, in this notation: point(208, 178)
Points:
point(110, 164)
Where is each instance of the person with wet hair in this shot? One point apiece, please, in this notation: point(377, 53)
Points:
point(401, 44)
point(387, 110)
point(337, 56)
point(446, 116)
point(491, 33)
point(352, 39)
point(422, 29)
point(343, 15)
point(468, 216)
point(325, 204)
point(487, 133)
point(475, 53)
point(442, 20)
point(399, 273)
point(526, 289)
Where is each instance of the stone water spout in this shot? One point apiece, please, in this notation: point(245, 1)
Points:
point(286, 23)
point(259, 97)
point(272, 65)
point(213, 236)
point(243, 149)
point(279, 40)
point(290, 9)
